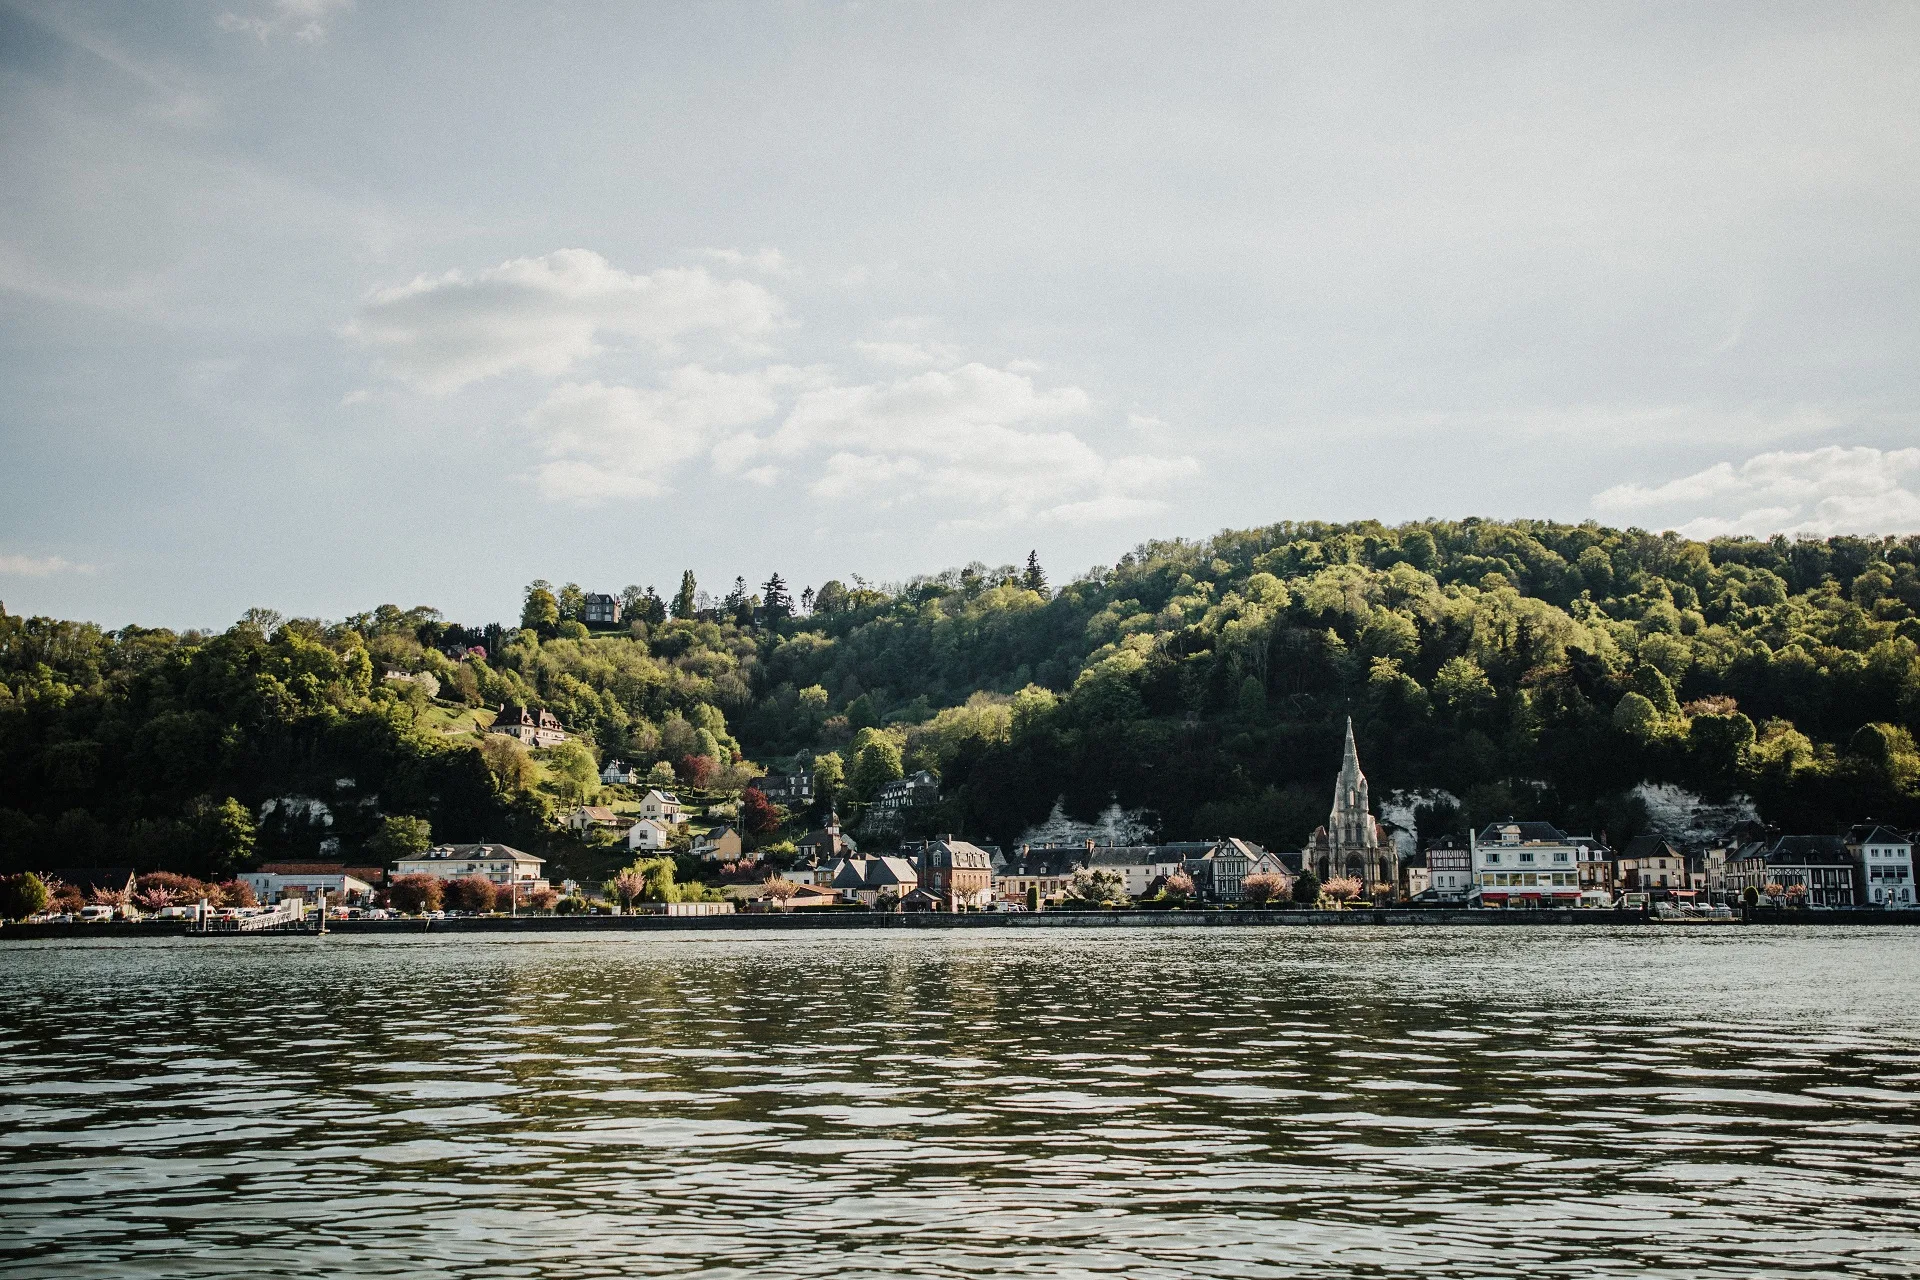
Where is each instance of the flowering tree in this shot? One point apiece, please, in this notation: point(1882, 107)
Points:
point(1341, 889)
point(154, 899)
point(232, 893)
point(1098, 885)
point(1178, 884)
point(109, 897)
point(1381, 891)
point(1264, 887)
point(781, 891)
point(627, 886)
point(1774, 889)
point(1796, 893)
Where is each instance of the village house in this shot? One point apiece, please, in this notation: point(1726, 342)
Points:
point(1044, 870)
point(865, 879)
point(722, 844)
point(648, 836)
point(1883, 862)
point(1415, 877)
point(1138, 865)
point(619, 773)
point(1816, 870)
point(959, 875)
point(535, 726)
point(1449, 869)
point(502, 864)
point(826, 844)
point(1525, 864)
point(662, 807)
point(891, 802)
point(1651, 865)
point(1219, 868)
point(791, 791)
point(599, 610)
point(592, 815)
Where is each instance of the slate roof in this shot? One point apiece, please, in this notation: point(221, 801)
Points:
point(1864, 834)
point(1650, 847)
point(957, 854)
point(1530, 832)
point(1800, 851)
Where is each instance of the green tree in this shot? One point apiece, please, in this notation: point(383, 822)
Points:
point(1637, 717)
point(1306, 887)
point(832, 598)
point(775, 604)
point(572, 602)
point(1035, 578)
point(684, 601)
point(541, 611)
point(226, 832)
point(876, 762)
point(400, 836)
point(23, 895)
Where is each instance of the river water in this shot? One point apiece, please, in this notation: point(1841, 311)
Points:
point(1214, 1102)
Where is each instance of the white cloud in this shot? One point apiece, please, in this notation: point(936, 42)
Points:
point(620, 441)
point(305, 20)
point(15, 566)
point(765, 477)
point(1820, 491)
point(975, 443)
point(770, 261)
point(545, 315)
point(910, 355)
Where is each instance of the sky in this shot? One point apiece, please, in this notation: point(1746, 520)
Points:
point(313, 305)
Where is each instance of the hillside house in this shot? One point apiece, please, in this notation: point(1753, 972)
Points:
point(535, 726)
point(600, 610)
point(662, 807)
point(722, 844)
point(648, 836)
point(619, 773)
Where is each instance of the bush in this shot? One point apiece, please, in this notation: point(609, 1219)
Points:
point(1306, 887)
point(416, 893)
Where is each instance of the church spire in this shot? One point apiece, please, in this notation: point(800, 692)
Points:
point(1350, 759)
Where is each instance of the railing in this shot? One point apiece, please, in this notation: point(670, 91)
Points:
point(289, 914)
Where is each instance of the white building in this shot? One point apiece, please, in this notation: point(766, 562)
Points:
point(277, 880)
point(1884, 858)
point(1449, 870)
point(664, 807)
point(647, 836)
point(1525, 864)
point(502, 864)
point(619, 773)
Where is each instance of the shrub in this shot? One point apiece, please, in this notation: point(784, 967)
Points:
point(1306, 887)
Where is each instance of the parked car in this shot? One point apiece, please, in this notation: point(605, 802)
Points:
point(96, 915)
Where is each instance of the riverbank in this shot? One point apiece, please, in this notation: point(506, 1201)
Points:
point(842, 920)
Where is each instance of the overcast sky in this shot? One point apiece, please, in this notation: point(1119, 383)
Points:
point(316, 306)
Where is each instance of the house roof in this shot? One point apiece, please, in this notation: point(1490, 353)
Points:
point(1530, 832)
point(1650, 847)
point(665, 797)
point(1863, 834)
point(319, 869)
point(1799, 851)
point(473, 853)
point(873, 873)
point(956, 854)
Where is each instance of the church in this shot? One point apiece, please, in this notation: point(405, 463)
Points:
point(1353, 842)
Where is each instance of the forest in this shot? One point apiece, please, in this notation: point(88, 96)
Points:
point(1521, 668)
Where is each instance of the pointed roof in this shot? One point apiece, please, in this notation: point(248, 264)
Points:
point(1350, 756)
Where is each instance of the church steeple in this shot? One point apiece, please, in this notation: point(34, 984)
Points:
point(1351, 822)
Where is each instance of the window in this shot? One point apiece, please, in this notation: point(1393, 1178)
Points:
point(1560, 857)
point(1526, 858)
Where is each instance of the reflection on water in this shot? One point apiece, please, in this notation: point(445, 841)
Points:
point(1208, 1103)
